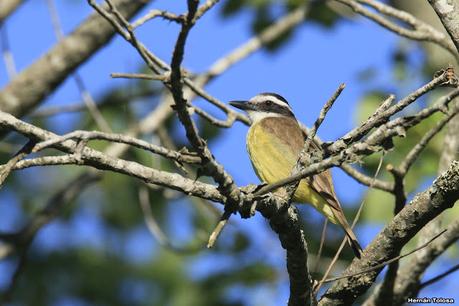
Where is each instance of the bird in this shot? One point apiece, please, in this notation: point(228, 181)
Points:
point(274, 141)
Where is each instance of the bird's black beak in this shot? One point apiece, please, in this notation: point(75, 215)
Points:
point(244, 105)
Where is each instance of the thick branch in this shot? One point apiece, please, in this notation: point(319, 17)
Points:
point(163, 111)
point(102, 161)
point(152, 121)
point(443, 193)
point(7, 7)
point(286, 224)
point(448, 12)
point(408, 281)
point(409, 277)
point(32, 85)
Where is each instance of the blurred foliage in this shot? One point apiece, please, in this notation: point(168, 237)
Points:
point(265, 12)
point(94, 277)
point(105, 273)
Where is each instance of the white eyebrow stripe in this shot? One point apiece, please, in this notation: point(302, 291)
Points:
point(275, 100)
point(278, 107)
point(264, 97)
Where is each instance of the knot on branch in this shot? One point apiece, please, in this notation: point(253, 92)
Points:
point(446, 184)
point(451, 79)
point(267, 204)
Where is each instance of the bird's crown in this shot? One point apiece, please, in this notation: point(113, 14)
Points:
point(270, 103)
point(264, 105)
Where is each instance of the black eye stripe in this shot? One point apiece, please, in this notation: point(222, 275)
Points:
point(272, 107)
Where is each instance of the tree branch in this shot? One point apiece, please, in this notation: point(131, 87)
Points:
point(420, 30)
point(102, 161)
point(181, 157)
point(424, 207)
point(407, 282)
point(448, 12)
point(34, 83)
point(80, 84)
point(152, 121)
point(8, 7)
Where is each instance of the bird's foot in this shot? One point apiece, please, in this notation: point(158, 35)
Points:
point(249, 206)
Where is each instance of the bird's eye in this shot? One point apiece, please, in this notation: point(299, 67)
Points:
point(269, 102)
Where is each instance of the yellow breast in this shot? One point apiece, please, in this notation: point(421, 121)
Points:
point(273, 158)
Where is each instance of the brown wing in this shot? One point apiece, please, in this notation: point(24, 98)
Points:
point(293, 136)
point(289, 131)
point(322, 183)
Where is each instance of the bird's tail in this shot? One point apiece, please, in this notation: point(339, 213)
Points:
point(341, 220)
point(352, 240)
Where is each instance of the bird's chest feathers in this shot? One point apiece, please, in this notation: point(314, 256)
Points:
point(272, 156)
point(273, 145)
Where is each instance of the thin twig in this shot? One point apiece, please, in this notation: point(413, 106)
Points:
point(439, 277)
point(321, 245)
point(323, 112)
point(420, 146)
point(228, 122)
point(150, 221)
point(218, 229)
point(120, 138)
point(232, 115)
point(6, 169)
point(8, 57)
point(396, 127)
point(305, 156)
point(82, 88)
point(157, 13)
point(383, 264)
point(222, 106)
point(140, 76)
point(325, 109)
point(123, 27)
point(204, 8)
point(375, 121)
point(420, 30)
point(367, 180)
point(343, 242)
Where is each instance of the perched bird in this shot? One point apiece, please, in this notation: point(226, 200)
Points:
point(274, 142)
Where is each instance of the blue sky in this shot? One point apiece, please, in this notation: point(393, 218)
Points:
point(306, 71)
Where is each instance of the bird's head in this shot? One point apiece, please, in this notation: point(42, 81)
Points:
point(265, 105)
